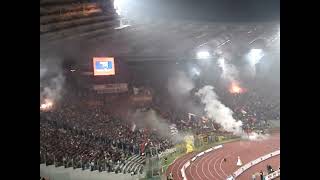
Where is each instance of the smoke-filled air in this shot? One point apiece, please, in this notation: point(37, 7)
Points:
point(230, 75)
point(253, 136)
point(51, 83)
point(179, 84)
point(150, 119)
point(229, 71)
point(179, 87)
point(217, 111)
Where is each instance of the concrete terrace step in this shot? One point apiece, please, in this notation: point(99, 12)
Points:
point(82, 30)
point(140, 168)
point(65, 8)
point(69, 16)
point(136, 168)
point(143, 159)
point(127, 161)
point(132, 157)
point(121, 166)
point(74, 22)
point(132, 166)
point(48, 2)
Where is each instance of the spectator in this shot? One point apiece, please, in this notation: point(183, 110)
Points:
point(261, 175)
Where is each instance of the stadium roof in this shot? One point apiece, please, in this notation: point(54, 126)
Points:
point(90, 28)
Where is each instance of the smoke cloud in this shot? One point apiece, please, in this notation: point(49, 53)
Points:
point(51, 80)
point(179, 88)
point(229, 71)
point(150, 119)
point(217, 111)
point(253, 136)
point(180, 84)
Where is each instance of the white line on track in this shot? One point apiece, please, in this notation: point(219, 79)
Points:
point(196, 166)
point(205, 159)
point(182, 162)
point(218, 159)
point(179, 167)
point(191, 174)
point(215, 156)
point(211, 158)
point(214, 165)
point(230, 153)
point(173, 168)
point(178, 162)
point(221, 164)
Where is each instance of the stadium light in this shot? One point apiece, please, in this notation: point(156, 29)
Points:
point(255, 55)
point(118, 5)
point(203, 55)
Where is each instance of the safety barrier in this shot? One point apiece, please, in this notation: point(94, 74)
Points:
point(188, 163)
point(254, 162)
point(273, 175)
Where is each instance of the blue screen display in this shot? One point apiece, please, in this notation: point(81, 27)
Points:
point(103, 65)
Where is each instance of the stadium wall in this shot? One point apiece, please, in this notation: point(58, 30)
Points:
point(254, 162)
point(60, 173)
point(274, 123)
point(273, 175)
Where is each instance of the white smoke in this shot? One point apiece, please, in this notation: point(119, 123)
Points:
point(180, 84)
point(51, 81)
point(150, 119)
point(43, 71)
point(229, 71)
point(253, 58)
point(253, 136)
point(179, 88)
point(217, 111)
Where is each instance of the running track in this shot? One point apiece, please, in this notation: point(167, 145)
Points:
point(210, 166)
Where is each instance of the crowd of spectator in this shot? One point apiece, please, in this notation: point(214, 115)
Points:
point(93, 138)
point(250, 107)
point(65, 145)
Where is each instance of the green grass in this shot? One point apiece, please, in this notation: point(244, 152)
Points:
point(170, 160)
point(177, 155)
point(174, 156)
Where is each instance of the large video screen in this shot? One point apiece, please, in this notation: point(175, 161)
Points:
point(103, 66)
